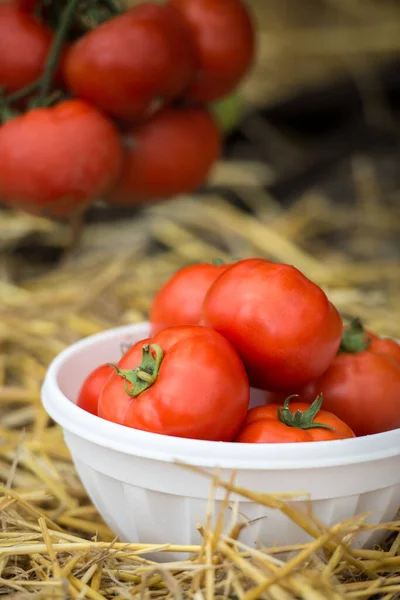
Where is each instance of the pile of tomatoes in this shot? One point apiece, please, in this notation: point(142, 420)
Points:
point(119, 108)
point(218, 330)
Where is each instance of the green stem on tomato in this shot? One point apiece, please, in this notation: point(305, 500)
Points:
point(55, 51)
point(6, 112)
point(142, 377)
point(354, 339)
point(302, 420)
point(24, 92)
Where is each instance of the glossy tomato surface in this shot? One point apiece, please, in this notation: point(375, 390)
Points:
point(132, 62)
point(24, 46)
point(201, 390)
point(224, 38)
point(263, 426)
point(282, 324)
point(55, 160)
point(172, 153)
point(89, 393)
point(180, 300)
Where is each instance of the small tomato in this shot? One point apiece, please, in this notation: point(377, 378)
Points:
point(224, 39)
point(273, 425)
point(89, 393)
point(186, 382)
point(24, 46)
point(171, 154)
point(55, 160)
point(132, 62)
point(282, 324)
point(180, 300)
point(362, 385)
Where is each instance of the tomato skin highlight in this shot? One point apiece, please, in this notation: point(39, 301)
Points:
point(282, 325)
point(262, 426)
point(56, 160)
point(225, 42)
point(201, 392)
point(180, 300)
point(24, 46)
point(132, 61)
point(89, 393)
point(170, 154)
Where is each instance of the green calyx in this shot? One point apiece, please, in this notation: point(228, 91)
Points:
point(55, 53)
point(138, 380)
point(302, 420)
point(354, 338)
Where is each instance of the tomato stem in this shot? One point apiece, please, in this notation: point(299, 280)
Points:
point(302, 420)
point(55, 51)
point(143, 376)
point(24, 92)
point(218, 262)
point(6, 112)
point(354, 339)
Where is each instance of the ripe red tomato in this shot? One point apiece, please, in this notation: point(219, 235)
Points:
point(180, 300)
point(131, 63)
point(186, 382)
point(298, 423)
point(54, 160)
point(171, 154)
point(282, 325)
point(224, 37)
point(362, 385)
point(90, 391)
point(24, 45)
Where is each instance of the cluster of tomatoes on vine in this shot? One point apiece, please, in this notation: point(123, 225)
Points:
point(101, 102)
point(218, 330)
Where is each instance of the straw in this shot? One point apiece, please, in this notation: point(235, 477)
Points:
point(53, 540)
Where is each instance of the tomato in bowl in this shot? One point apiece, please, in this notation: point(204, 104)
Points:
point(135, 477)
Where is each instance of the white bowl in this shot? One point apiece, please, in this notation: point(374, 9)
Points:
point(144, 496)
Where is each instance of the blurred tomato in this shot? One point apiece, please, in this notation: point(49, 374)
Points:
point(171, 154)
point(225, 43)
point(131, 63)
point(55, 160)
point(24, 45)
